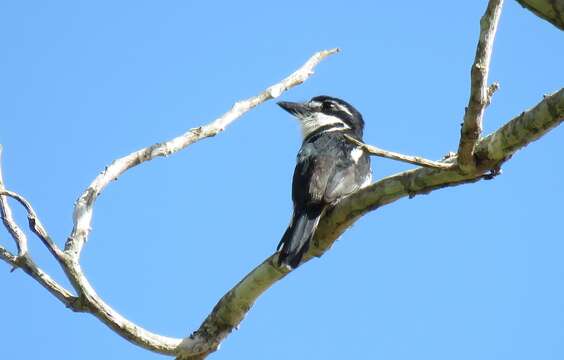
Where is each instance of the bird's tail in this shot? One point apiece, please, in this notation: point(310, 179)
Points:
point(296, 239)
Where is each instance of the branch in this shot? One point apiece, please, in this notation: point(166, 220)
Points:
point(66, 297)
point(23, 259)
point(480, 94)
point(415, 160)
point(8, 257)
point(88, 300)
point(25, 263)
point(491, 152)
point(549, 10)
point(34, 223)
point(6, 212)
point(82, 216)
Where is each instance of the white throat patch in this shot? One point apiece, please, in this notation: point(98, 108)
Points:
point(316, 120)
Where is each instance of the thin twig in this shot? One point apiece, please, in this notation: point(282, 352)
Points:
point(6, 212)
point(34, 223)
point(491, 90)
point(415, 160)
point(8, 257)
point(480, 93)
point(23, 259)
point(65, 296)
point(25, 263)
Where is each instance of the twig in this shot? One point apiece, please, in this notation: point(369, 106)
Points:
point(491, 90)
point(8, 257)
point(23, 259)
point(34, 223)
point(415, 160)
point(65, 296)
point(480, 93)
point(6, 212)
point(25, 263)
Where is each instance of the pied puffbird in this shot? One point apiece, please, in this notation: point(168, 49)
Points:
point(328, 167)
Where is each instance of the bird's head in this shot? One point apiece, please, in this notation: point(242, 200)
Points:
point(325, 113)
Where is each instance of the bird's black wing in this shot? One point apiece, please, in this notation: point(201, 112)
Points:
point(325, 171)
point(311, 176)
point(348, 176)
point(314, 168)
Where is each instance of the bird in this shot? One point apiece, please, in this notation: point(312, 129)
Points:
point(328, 167)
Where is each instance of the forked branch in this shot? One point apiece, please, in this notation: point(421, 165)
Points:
point(23, 259)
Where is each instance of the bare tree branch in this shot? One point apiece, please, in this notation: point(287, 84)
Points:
point(34, 223)
point(83, 208)
point(6, 212)
point(8, 257)
point(91, 302)
point(550, 10)
point(23, 259)
point(491, 152)
point(66, 297)
point(25, 263)
point(415, 160)
point(479, 92)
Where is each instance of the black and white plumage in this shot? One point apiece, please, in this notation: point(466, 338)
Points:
point(328, 167)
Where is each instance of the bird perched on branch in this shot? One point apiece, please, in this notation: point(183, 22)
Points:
point(329, 166)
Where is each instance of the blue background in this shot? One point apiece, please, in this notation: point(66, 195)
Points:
point(472, 272)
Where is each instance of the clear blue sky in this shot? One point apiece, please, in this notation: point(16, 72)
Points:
point(472, 272)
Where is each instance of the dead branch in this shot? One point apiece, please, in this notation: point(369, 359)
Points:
point(480, 93)
point(415, 160)
point(23, 260)
point(6, 212)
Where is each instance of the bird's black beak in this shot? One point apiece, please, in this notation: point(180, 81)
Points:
point(294, 108)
